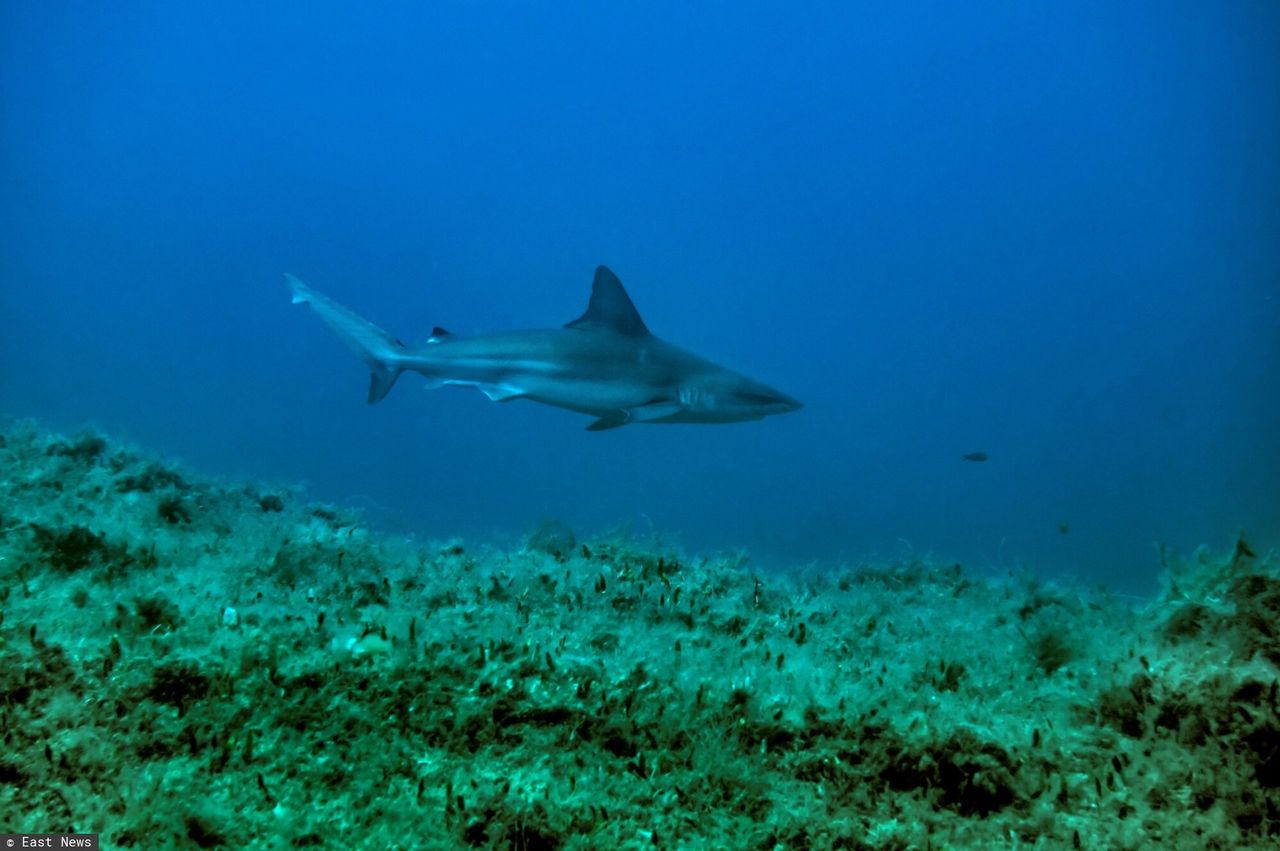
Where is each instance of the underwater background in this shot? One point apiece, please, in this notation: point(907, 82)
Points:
point(1046, 234)
point(1009, 579)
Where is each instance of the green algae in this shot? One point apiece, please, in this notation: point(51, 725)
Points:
point(186, 663)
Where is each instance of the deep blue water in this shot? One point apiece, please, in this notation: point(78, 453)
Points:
point(1049, 234)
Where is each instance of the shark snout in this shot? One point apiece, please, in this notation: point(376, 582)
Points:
point(767, 401)
point(785, 404)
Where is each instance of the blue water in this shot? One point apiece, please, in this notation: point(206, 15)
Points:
point(1048, 234)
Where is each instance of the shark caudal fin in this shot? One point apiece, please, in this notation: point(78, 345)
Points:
point(378, 349)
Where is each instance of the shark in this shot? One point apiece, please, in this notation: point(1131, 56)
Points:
point(606, 364)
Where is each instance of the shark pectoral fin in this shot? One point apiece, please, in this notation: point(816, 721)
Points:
point(641, 414)
point(613, 419)
point(653, 411)
point(500, 392)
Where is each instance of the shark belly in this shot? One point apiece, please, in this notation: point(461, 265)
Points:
point(587, 396)
point(573, 380)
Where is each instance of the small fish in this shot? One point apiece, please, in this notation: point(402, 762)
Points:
point(979, 457)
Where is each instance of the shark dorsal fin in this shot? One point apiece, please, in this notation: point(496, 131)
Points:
point(610, 308)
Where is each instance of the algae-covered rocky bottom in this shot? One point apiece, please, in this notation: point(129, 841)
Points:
point(185, 663)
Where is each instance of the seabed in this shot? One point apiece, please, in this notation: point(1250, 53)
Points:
point(190, 663)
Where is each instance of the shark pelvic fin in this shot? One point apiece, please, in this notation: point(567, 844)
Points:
point(610, 308)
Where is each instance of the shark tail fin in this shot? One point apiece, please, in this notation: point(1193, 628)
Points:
point(379, 350)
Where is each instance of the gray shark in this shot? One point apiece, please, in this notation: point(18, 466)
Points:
point(605, 363)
